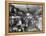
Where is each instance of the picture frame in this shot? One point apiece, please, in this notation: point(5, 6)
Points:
point(7, 21)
